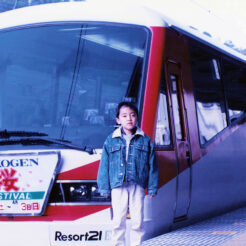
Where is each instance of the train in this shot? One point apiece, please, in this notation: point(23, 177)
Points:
point(64, 67)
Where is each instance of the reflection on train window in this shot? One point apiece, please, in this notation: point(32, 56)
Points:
point(162, 131)
point(176, 107)
point(66, 81)
point(208, 92)
point(234, 78)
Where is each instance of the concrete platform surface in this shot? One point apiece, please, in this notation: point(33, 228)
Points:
point(225, 230)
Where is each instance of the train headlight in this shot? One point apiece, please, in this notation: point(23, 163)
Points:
point(96, 196)
point(76, 192)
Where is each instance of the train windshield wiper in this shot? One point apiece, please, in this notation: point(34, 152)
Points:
point(68, 144)
point(8, 134)
point(37, 141)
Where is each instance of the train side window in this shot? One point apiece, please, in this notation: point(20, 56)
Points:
point(162, 131)
point(234, 78)
point(176, 107)
point(209, 95)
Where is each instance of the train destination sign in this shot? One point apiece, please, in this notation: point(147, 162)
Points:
point(25, 182)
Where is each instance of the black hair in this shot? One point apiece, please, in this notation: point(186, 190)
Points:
point(126, 104)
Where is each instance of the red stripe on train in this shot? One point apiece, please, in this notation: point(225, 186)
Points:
point(88, 171)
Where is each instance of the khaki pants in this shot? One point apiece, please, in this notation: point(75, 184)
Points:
point(131, 196)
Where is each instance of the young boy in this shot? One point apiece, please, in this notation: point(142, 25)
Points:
point(127, 167)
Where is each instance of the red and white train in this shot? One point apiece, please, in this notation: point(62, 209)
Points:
point(63, 69)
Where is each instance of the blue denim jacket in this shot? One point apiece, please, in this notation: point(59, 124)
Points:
point(140, 168)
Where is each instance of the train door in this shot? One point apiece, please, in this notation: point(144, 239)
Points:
point(180, 141)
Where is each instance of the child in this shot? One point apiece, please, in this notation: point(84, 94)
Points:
point(127, 167)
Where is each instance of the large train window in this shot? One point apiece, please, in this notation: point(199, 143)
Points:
point(208, 90)
point(65, 81)
point(234, 77)
point(162, 131)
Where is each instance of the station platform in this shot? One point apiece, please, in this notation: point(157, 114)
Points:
point(228, 229)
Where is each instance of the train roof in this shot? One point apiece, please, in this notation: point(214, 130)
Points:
point(82, 11)
point(145, 13)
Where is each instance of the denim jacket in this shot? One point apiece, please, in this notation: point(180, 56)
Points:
point(140, 168)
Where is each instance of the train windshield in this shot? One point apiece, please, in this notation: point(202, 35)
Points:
point(65, 81)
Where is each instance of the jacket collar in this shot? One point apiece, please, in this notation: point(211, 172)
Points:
point(118, 132)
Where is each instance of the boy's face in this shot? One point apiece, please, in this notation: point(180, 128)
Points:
point(127, 119)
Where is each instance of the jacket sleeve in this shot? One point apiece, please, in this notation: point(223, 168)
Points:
point(153, 182)
point(103, 173)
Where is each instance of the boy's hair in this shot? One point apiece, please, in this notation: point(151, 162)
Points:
point(126, 104)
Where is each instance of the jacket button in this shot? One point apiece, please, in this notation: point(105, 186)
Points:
point(122, 164)
point(121, 174)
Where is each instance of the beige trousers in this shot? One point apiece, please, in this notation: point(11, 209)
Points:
point(131, 196)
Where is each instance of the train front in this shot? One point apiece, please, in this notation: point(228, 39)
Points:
point(63, 71)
